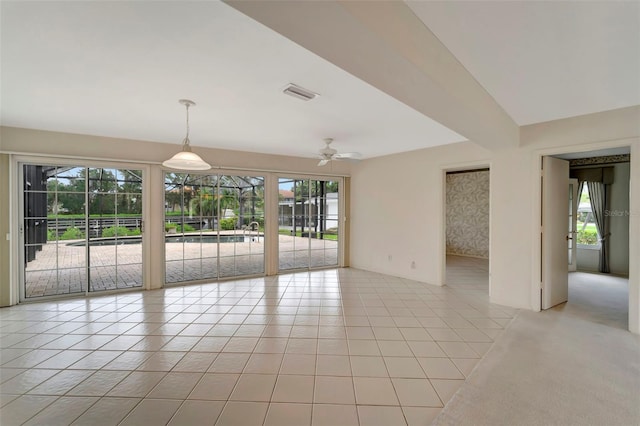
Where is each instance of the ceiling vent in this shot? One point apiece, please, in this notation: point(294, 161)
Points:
point(299, 92)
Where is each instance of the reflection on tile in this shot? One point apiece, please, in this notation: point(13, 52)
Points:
point(331, 347)
point(63, 411)
point(336, 390)
point(243, 413)
point(254, 387)
point(375, 391)
point(215, 387)
point(332, 415)
point(290, 388)
point(23, 408)
point(197, 413)
point(380, 416)
point(283, 414)
point(416, 393)
point(152, 412)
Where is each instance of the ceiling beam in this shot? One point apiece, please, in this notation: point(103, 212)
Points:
point(386, 45)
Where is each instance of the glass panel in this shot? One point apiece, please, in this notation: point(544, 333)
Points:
point(572, 236)
point(102, 278)
point(227, 267)
point(115, 213)
point(129, 275)
point(56, 211)
point(199, 210)
point(174, 271)
point(53, 223)
point(192, 269)
point(102, 253)
point(129, 251)
point(587, 230)
point(72, 280)
point(308, 221)
point(71, 179)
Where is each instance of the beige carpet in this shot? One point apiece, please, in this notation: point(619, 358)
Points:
point(573, 365)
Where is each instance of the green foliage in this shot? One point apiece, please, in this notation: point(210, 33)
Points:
point(169, 225)
point(301, 188)
point(51, 236)
point(186, 228)
point(327, 235)
point(106, 193)
point(120, 231)
point(72, 233)
point(228, 224)
point(588, 237)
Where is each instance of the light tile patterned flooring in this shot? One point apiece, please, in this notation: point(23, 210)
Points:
point(332, 347)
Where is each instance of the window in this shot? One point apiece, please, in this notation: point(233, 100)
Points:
point(587, 231)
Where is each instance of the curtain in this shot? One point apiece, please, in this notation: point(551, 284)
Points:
point(598, 196)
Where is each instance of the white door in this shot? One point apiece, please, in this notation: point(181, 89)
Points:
point(573, 224)
point(555, 193)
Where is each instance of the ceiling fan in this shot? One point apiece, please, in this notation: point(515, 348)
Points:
point(328, 154)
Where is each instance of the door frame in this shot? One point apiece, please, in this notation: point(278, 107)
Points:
point(554, 232)
point(634, 221)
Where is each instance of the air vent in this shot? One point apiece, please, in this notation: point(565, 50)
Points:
point(299, 92)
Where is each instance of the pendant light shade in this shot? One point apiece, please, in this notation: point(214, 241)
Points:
point(185, 159)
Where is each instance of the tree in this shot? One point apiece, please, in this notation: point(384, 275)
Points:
point(301, 188)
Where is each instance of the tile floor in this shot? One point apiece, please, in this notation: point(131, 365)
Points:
point(332, 347)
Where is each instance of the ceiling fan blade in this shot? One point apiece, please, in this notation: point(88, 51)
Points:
point(348, 155)
point(323, 162)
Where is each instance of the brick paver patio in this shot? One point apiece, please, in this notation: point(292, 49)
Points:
point(60, 268)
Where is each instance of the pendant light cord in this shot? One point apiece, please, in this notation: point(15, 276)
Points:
point(186, 139)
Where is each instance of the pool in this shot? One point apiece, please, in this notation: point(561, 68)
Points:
point(205, 239)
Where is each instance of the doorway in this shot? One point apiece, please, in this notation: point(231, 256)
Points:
point(308, 223)
point(467, 205)
point(598, 236)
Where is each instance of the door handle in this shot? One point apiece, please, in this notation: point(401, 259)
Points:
point(568, 238)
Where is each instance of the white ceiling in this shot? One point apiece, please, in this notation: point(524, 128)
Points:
point(544, 60)
point(118, 68)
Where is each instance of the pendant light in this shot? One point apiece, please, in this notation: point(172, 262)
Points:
point(185, 159)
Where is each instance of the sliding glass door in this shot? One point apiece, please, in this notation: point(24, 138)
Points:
point(214, 226)
point(82, 229)
point(308, 213)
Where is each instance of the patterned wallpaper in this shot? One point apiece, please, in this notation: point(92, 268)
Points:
point(468, 213)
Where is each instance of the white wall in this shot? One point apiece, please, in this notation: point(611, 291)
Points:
point(398, 205)
point(396, 210)
point(467, 214)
